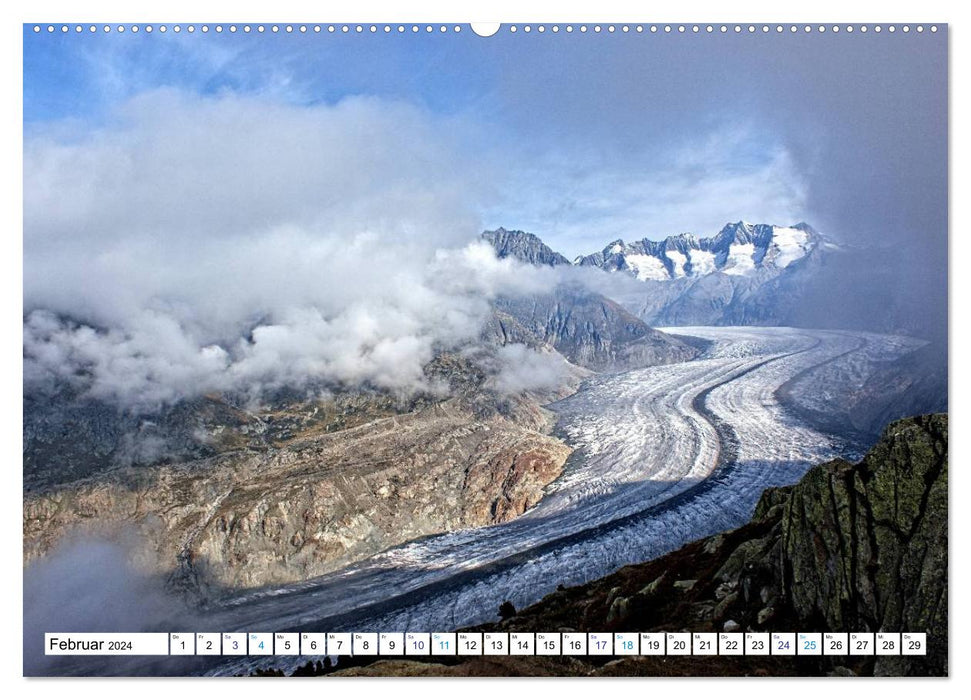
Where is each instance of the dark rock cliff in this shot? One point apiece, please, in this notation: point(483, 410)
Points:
point(864, 546)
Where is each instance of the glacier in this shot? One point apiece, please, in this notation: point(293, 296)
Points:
point(663, 455)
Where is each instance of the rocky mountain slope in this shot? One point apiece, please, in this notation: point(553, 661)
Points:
point(870, 389)
point(587, 328)
point(850, 547)
point(243, 498)
point(592, 331)
point(523, 246)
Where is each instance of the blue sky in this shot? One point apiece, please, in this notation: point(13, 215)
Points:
point(585, 138)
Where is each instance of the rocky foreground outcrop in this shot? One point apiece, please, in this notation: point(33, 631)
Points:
point(851, 547)
point(878, 530)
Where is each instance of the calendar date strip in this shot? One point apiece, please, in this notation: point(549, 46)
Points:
point(398, 644)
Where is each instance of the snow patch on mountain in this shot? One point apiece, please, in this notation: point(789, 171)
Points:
point(702, 262)
point(740, 259)
point(678, 260)
point(789, 245)
point(646, 267)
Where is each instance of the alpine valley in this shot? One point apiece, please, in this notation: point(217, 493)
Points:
point(670, 384)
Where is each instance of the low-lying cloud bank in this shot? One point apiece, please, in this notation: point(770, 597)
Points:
point(88, 585)
point(384, 338)
point(207, 244)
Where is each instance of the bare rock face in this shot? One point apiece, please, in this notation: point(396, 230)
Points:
point(865, 545)
point(523, 246)
point(509, 483)
point(309, 505)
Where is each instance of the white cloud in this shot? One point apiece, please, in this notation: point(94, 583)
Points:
point(200, 244)
point(523, 369)
point(93, 585)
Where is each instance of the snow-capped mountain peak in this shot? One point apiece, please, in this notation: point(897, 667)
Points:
point(740, 248)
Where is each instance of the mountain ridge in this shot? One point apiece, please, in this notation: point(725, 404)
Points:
point(527, 247)
point(746, 274)
point(739, 248)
